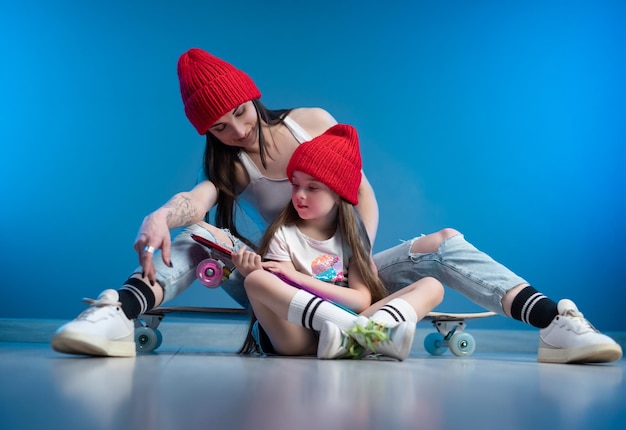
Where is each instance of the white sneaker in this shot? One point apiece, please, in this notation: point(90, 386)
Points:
point(570, 338)
point(334, 343)
point(388, 340)
point(102, 329)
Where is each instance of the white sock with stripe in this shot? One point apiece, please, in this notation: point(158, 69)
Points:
point(396, 311)
point(309, 311)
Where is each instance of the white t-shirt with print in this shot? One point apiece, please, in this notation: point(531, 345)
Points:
point(326, 260)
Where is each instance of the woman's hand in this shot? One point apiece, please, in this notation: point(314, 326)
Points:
point(182, 210)
point(246, 261)
point(153, 234)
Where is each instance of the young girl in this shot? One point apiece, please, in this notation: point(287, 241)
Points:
point(319, 243)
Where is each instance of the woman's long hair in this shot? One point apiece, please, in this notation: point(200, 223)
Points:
point(219, 166)
point(354, 235)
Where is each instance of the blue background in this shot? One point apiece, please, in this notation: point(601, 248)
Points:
point(505, 120)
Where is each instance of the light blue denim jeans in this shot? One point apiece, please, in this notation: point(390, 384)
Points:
point(186, 254)
point(457, 264)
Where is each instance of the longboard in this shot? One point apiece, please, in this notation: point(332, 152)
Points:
point(212, 271)
point(450, 327)
point(148, 337)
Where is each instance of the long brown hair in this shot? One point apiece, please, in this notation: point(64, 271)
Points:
point(353, 232)
point(219, 166)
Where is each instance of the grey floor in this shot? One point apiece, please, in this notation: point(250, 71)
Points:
point(195, 380)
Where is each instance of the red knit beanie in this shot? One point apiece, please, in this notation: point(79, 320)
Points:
point(211, 87)
point(332, 158)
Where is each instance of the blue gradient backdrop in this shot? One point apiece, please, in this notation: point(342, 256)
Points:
point(505, 120)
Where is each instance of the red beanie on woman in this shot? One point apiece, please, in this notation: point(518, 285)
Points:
point(211, 87)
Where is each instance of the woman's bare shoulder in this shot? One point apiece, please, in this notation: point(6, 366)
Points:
point(314, 120)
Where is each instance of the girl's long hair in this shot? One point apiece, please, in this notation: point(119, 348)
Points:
point(219, 166)
point(354, 235)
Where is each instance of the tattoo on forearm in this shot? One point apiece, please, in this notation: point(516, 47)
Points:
point(182, 212)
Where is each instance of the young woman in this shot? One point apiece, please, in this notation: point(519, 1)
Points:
point(247, 151)
point(319, 243)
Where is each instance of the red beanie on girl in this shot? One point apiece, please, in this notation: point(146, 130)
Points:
point(211, 87)
point(334, 159)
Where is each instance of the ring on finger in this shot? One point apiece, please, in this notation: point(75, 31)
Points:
point(149, 249)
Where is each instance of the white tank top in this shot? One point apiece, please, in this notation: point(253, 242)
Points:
point(266, 196)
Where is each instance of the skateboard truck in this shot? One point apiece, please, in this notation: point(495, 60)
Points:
point(147, 335)
point(451, 333)
point(450, 336)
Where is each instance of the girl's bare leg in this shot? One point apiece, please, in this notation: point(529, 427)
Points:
point(423, 295)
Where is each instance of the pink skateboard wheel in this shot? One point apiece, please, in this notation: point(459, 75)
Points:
point(209, 272)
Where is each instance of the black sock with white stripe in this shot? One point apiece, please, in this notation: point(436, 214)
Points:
point(532, 307)
point(396, 311)
point(136, 298)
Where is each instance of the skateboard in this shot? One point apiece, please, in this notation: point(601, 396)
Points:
point(212, 271)
point(148, 337)
point(450, 333)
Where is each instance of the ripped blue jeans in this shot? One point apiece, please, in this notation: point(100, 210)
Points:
point(457, 264)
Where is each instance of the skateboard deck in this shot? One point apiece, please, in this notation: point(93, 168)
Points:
point(451, 333)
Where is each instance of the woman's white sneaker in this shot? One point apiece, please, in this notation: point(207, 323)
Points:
point(570, 338)
point(102, 330)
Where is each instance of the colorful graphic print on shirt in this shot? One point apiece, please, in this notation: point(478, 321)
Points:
point(327, 268)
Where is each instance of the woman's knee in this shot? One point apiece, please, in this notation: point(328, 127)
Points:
point(431, 242)
point(447, 233)
point(217, 233)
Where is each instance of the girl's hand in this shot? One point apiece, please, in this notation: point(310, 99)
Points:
point(282, 269)
point(246, 261)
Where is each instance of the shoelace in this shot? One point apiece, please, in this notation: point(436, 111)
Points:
point(101, 302)
point(373, 333)
point(579, 319)
point(353, 348)
point(94, 304)
point(573, 313)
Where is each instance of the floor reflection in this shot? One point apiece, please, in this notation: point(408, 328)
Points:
point(184, 388)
